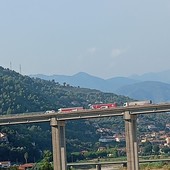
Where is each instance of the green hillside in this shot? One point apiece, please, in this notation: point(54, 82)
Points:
point(20, 94)
point(24, 94)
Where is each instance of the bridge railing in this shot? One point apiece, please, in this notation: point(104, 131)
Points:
point(99, 165)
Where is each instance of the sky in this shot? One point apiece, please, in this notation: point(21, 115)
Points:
point(104, 38)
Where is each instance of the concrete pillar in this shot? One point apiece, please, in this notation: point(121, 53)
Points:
point(59, 145)
point(98, 167)
point(131, 141)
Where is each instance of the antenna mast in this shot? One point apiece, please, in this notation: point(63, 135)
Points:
point(10, 67)
point(20, 68)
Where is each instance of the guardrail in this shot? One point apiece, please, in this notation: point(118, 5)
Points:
point(98, 165)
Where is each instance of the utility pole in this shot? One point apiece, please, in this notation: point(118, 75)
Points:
point(20, 68)
point(10, 65)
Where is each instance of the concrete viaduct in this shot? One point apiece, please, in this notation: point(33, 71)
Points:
point(57, 122)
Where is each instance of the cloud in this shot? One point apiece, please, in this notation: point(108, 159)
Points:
point(117, 52)
point(92, 50)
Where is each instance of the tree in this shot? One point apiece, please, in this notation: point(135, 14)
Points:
point(47, 156)
point(147, 149)
point(114, 152)
point(46, 166)
point(9, 111)
point(156, 149)
point(166, 149)
point(26, 157)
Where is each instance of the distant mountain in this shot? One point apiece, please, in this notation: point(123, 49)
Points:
point(81, 79)
point(163, 76)
point(151, 90)
point(153, 86)
point(88, 81)
point(118, 82)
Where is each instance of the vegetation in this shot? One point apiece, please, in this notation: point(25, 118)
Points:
point(32, 142)
point(21, 94)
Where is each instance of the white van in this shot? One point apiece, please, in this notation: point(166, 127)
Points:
point(50, 111)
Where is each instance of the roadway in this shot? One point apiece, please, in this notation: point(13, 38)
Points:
point(35, 117)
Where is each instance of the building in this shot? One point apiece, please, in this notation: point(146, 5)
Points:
point(26, 166)
point(5, 164)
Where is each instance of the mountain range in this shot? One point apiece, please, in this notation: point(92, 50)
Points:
point(149, 86)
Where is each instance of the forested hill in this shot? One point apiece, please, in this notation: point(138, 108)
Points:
point(20, 94)
point(24, 94)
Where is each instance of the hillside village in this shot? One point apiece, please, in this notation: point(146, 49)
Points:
point(158, 139)
point(153, 136)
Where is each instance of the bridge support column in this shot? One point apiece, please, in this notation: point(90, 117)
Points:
point(59, 144)
point(131, 141)
point(98, 167)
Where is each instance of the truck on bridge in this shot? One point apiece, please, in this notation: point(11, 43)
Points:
point(138, 103)
point(103, 106)
point(70, 109)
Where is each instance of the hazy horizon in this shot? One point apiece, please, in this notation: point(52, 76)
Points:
point(102, 38)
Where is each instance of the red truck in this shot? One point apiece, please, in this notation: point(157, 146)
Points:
point(103, 106)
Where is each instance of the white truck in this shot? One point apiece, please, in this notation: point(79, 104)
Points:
point(138, 103)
